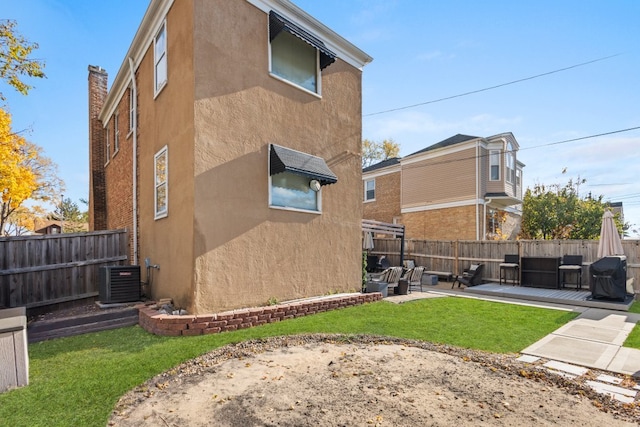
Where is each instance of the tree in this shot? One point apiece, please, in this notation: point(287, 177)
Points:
point(25, 173)
point(374, 152)
point(72, 218)
point(558, 212)
point(15, 61)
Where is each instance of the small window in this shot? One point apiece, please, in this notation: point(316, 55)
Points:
point(289, 190)
point(116, 134)
point(161, 176)
point(132, 109)
point(370, 190)
point(494, 160)
point(107, 145)
point(160, 58)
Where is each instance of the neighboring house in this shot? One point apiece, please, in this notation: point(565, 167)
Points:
point(228, 145)
point(48, 227)
point(465, 187)
point(57, 227)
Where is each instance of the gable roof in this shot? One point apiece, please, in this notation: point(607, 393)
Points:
point(455, 139)
point(383, 164)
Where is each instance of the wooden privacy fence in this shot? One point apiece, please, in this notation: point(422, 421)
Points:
point(50, 269)
point(456, 255)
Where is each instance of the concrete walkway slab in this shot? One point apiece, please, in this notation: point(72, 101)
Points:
point(591, 354)
point(627, 361)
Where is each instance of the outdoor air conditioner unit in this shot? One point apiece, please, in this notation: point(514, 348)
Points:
point(119, 283)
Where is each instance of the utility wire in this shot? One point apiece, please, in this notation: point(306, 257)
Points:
point(492, 87)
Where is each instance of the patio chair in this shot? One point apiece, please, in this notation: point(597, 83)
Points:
point(470, 277)
point(414, 277)
point(571, 264)
point(511, 263)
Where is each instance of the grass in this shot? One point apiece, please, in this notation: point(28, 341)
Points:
point(76, 381)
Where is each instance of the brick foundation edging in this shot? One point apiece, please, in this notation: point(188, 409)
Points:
point(188, 325)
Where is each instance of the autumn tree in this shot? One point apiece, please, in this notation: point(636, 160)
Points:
point(25, 173)
point(559, 212)
point(374, 152)
point(15, 58)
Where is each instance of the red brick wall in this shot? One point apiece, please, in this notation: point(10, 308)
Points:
point(442, 224)
point(387, 202)
point(97, 201)
point(172, 325)
point(119, 173)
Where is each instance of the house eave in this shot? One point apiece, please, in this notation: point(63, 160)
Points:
point(153, 17)
point(345, 50)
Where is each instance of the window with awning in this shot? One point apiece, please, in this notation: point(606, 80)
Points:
point(297, 56)
point(296, 179)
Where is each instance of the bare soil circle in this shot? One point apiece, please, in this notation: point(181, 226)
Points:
point(328, 380)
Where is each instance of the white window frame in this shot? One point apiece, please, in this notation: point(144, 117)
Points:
point(293, 208)
point(132, 109)
point(160, 60)
point(318, 91)
point(366, 199)
point(510, 164)
point(158, 214)
point(494, 155)
point(107, 145)
point(116, 133)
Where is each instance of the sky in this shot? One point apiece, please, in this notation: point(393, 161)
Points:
point(574, 64)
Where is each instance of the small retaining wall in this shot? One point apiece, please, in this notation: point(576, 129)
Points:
point(173, 325)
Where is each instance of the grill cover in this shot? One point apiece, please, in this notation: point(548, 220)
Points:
point(609, 278)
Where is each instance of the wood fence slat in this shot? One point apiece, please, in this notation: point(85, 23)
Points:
point(42, 270)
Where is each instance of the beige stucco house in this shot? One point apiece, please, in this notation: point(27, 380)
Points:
point(465, 187)
point(228, 144)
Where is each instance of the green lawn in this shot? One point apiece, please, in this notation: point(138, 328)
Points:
point(76, 381)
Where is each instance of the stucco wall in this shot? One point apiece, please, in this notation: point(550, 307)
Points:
point(168, 120)
point(245, 252)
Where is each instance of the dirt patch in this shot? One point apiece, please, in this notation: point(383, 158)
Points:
point(322, 380)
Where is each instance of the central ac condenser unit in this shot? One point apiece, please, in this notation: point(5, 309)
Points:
point(119, 283)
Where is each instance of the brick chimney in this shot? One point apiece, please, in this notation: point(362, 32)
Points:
point(97, 186)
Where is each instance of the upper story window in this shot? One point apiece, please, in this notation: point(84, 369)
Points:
point(296, 179)
point(494, 164)
point(519, 183)
point(107, 145)
point(510, 163)
point(132, 109)
point(161, 177)
point(160, 58)
point(369, 190)
point(297, 56)
point(116, 134)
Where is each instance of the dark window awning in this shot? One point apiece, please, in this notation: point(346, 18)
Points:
point(286, 160)
point(278, 23)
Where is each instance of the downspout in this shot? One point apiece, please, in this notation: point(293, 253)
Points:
point(135, 160)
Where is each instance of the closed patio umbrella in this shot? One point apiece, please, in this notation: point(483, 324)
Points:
point(367, 242)
point(610, 243)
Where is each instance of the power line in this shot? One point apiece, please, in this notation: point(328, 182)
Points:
point(492, 87)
